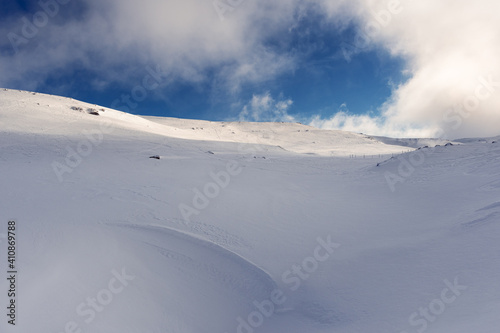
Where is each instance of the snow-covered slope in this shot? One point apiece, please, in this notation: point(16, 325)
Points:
point(292, 137)
point(416, 143)
point(27, 111)
point(257, 231)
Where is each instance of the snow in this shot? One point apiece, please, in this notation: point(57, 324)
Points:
point(104, 245)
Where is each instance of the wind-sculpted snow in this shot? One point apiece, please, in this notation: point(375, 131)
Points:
point(207, 261)
point(212, 283)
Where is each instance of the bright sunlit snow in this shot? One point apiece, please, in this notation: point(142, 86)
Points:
point(242, 227)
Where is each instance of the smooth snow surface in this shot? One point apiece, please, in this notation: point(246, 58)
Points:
point(242, 227)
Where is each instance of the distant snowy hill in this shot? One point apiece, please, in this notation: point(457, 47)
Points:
point(241, 227)
point(27, 111)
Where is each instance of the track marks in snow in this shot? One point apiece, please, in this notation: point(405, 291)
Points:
point(492, 206)
point(491, 186)
point(211, 232)
point(488, 219)
point(493, 215)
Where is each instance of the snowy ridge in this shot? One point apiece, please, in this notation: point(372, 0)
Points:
point(26, 112)
point(238, 273)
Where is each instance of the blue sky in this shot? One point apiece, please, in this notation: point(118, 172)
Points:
point(353, 65)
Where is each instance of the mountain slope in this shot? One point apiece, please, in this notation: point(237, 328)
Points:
point(25, 112)
point(229, 241)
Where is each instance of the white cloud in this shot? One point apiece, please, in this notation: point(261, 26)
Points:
point(369, 124)
point(186, 38)
point(265, 108)
point(448, 46)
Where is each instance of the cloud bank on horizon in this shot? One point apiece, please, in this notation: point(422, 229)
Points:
point(450, 50)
